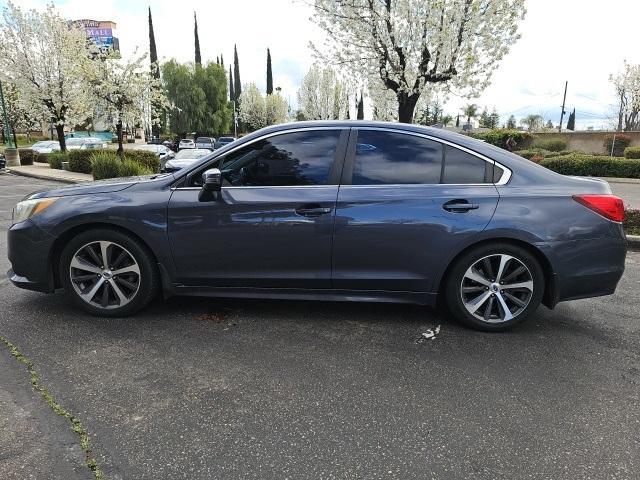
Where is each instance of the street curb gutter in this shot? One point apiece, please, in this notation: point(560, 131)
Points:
point(43, 177)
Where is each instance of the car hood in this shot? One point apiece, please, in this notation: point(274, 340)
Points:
point(100, 186)
point(181, 162)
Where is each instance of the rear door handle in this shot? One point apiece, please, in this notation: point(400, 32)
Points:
point(312, 210)
point(460, 206)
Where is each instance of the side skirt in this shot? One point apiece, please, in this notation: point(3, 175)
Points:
point(419, 298)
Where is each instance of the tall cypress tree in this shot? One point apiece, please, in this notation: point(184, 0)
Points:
point(231, 95)
point(217, 60)
point(221, 60)
point(197, 40)
point(360, 108)
point(155, 71)
point(237, 86)
point(269, 74)
point(571, 123)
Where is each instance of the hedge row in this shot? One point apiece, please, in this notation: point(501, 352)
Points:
point(27, 156)
point(81, 161)
point(632, 152)
point(593, 166)
point(500, 138)
point(110, 165)
point(550, 144)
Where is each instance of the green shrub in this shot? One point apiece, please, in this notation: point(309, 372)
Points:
point(80, 160)
point(56, 158)
point(499, 138)
point(27, 156)
point(621, 142)
point(131, 168)
point(42, 158)
point(105, 165)
point(533, 152)
point(632, 152)
point(631, 222)
point(593, 166)
point(551, 144)
point(144, 157)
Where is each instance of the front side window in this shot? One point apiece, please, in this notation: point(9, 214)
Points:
point(297, 158)
point(396, 158)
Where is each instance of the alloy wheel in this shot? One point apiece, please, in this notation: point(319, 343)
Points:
point(497, 288)
point(104, 274)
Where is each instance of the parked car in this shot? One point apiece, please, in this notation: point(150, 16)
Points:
point(186, 143)
point(85, 143)
point(206, 142)
point(46, 146)
point(355, 211)
point(164, 153)
point(3, 162)
point(185, 158)
point(222, 141)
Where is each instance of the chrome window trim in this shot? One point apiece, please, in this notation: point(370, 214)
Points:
point(504, 178)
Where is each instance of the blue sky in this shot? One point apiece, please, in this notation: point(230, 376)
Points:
point(579, 41)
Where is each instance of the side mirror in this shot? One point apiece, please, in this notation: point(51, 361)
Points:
point(211, 185)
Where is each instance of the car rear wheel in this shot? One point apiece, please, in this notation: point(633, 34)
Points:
point(108, 273)
point(494, 287)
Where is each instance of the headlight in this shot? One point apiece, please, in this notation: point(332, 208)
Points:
point(29, 208)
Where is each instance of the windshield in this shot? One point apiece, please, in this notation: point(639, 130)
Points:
point(43, 144)
point(194, 154)
point(204, 140)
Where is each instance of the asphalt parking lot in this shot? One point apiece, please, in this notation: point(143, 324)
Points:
point(229, 389)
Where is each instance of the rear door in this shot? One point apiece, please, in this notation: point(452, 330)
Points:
point(272, 225)
point(405, 203)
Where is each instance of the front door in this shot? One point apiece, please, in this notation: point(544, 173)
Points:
point(272, 224)
point(406, 203)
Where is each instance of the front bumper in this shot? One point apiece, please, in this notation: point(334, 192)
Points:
point(29, 250)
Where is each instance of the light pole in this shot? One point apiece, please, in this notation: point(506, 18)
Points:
point(7, 131)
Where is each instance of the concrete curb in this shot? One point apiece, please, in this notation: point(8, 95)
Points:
point(633, 241)
point(43, 177)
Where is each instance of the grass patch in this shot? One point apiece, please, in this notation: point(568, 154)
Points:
point(58, 409)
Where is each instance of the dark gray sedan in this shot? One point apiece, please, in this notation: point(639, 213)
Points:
point(354, 211)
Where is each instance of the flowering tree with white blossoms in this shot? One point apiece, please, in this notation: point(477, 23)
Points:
point(126, 89)
point(627, 86)
point(322, 96)
point(257, 111)
point(411, 44)
point(43, 56)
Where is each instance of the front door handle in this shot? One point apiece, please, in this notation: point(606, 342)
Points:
point(312, 210)
point(459, 205)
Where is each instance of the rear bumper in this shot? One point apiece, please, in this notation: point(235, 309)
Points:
point(28, 251)
point(587, 268)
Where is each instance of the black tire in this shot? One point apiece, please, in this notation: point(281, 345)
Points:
point(148, 279)
point(453, 287)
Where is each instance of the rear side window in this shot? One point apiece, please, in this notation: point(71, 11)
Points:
point(395, 158)
point(461, 167)
point(299, 158)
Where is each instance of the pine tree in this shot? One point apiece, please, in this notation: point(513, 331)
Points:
point(360, 108)
point(197, 40)
point(269, 74)
point(237, 86)
point(217, 60)
point(484, 118)
point(511, 123)
point(571, 122)
point(155, 71)
point(231, 95)
point(458, 121)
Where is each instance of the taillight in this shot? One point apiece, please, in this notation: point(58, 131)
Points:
point(609, 206)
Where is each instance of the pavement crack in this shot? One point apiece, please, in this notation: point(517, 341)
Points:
point(76, 425)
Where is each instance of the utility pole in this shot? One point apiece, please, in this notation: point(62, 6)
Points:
point(7, 131)
point(564, 99)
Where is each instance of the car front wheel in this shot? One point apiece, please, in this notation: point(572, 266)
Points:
point(108, 273)
point(494, 287)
